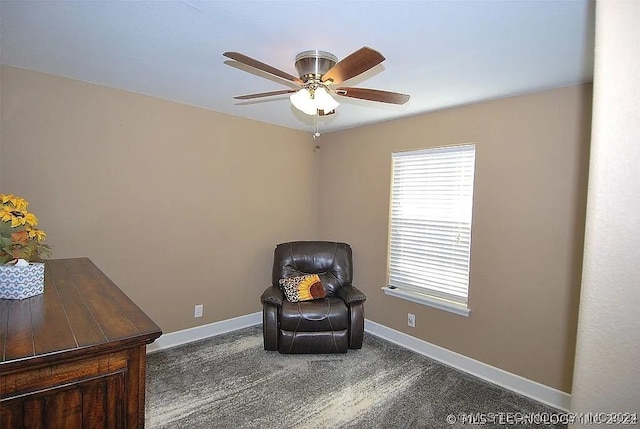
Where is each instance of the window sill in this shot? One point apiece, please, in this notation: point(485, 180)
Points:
point(429, 301)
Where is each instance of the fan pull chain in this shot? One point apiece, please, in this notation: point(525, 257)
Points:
point(316, 133)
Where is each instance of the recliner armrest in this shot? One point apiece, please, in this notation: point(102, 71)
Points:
point(351, 295)
point(272, 295)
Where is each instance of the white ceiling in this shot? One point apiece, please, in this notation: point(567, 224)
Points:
point(442, 53)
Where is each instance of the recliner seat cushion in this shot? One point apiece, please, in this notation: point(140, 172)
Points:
point(326, 314)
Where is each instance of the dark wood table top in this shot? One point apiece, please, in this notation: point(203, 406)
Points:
point(81, 311)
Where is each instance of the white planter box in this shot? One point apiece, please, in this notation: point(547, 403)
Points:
point(21, 282)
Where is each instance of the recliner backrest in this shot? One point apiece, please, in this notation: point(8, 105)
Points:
point(330, 260)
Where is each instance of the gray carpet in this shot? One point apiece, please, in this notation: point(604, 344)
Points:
point(229, 381)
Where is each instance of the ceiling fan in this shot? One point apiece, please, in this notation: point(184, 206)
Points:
point(319, 74)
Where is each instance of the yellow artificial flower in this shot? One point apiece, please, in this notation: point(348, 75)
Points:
point(17, 219)
point(30, 219)
point(5, 214)
point(20, 204)
point(17, 202)
point(38, 234)
point(7, 197)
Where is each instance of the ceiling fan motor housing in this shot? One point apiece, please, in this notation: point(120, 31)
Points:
point(311, 65)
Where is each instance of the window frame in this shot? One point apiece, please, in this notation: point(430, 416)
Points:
point(454, 300)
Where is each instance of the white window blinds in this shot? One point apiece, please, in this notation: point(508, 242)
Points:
point(430, 225)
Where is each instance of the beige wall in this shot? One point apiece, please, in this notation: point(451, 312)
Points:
point(181, 206)
point(178, 205)
point(1, 126)
point(528, 220)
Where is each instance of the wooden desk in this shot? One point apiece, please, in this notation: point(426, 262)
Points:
point(73, 357)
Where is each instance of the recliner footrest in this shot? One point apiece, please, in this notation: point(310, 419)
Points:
point(326, 314)
point(313, 342)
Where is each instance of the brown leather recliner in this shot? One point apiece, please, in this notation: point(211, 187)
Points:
point(332, 324)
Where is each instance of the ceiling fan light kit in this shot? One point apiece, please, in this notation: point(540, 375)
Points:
point(318, 71)
point(311, 100)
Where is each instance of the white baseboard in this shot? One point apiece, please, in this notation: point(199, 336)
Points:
point(177, 338)
point(532, 389)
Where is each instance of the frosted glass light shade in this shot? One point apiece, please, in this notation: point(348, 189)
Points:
point(324, 101)
point(302, 101)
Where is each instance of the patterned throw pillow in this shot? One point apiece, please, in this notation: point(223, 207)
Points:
point(302, 288)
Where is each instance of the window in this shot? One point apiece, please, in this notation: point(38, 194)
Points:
point(430, 226)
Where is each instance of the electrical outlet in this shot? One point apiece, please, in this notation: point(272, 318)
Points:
point(197, 310)
point(411, 320)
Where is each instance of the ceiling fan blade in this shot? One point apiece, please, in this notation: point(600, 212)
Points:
point(261, 66)
point(373, 95)
point(265, 94)
point(358, 62)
